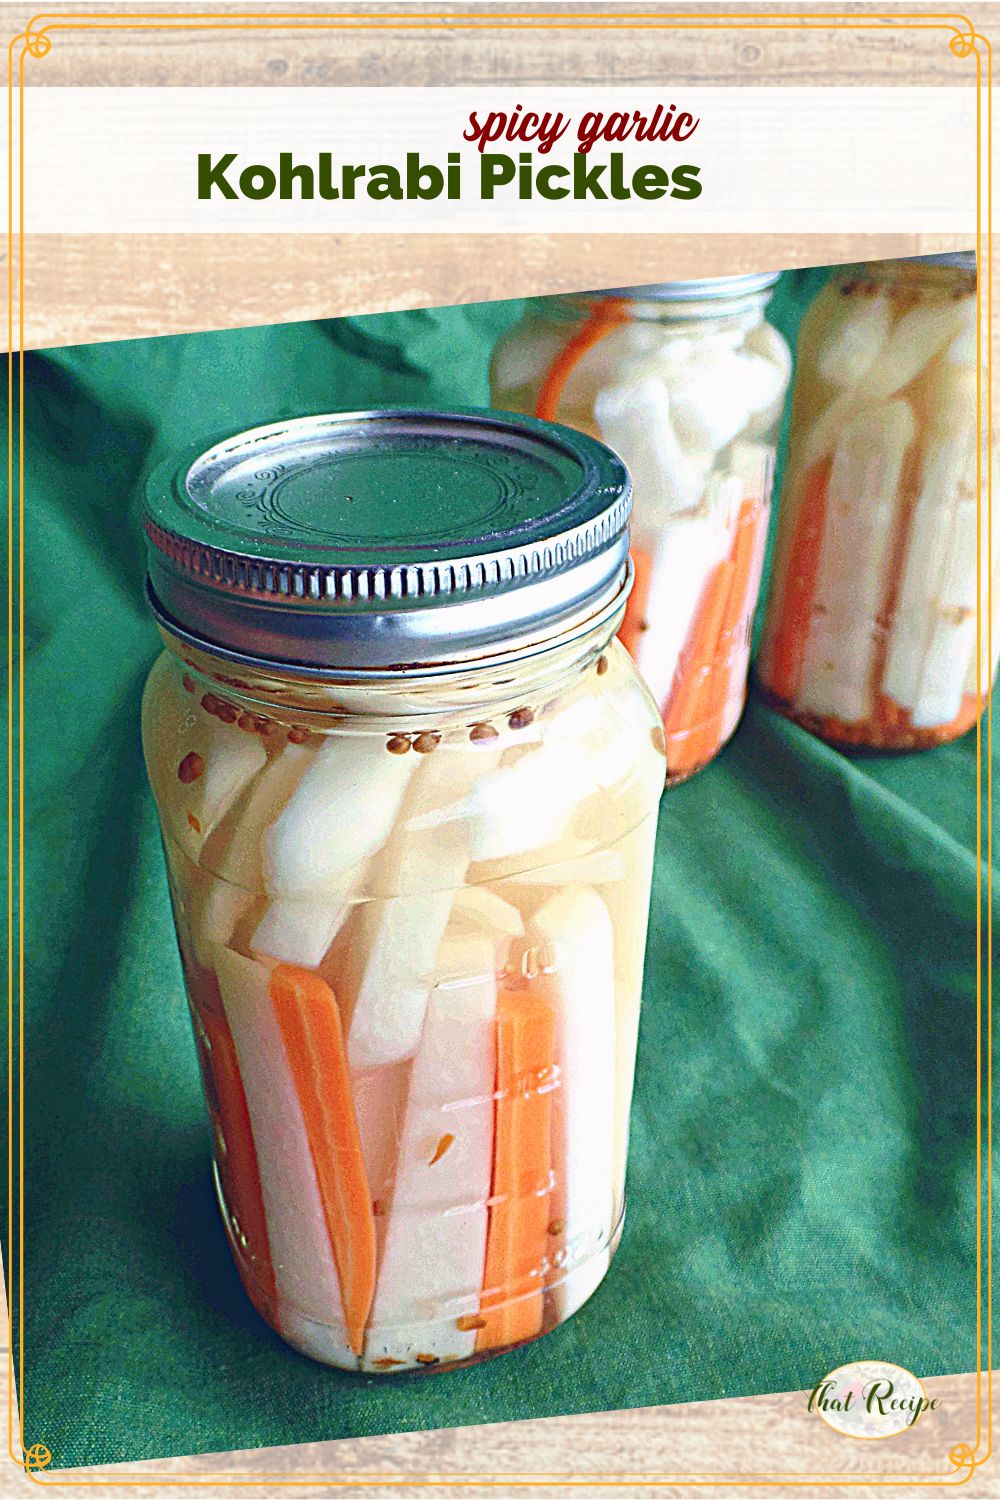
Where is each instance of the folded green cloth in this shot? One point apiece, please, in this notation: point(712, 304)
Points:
point(802, 1172)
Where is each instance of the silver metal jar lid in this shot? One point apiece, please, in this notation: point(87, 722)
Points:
point(704, 289)
point(388, 540)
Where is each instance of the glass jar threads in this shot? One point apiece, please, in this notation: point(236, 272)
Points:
point(870, 636)
point(407, 782)
point(686, 381)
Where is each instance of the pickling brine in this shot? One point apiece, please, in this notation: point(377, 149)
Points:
point(686, 381)
point(882, 559)
point(411, 906)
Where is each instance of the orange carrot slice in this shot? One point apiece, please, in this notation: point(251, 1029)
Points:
point(634, 622)
point(708, 722)
point(684, 706)
point(310, 1023)
point(788, 645)
point(973, 705)
point(517, 1238)
point(236, 1155)
point(891, 717)
point(605, 315)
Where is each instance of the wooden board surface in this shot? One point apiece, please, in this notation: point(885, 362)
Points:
point(616, 52)
point(754, 1437)
point(84, 289)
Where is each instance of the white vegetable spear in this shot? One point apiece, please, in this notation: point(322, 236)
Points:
point(432, 1261)
point(299, 929)
point(634, 418)
point(853, 339)
point(915, 339)
point(573, 938)
point(933, 633)
point(862, 522)
point(398, 935)
point(236, 852)
point(342, 810)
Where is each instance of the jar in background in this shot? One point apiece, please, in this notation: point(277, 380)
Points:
point(407, 782)
point(686, 381)
point(870, 636)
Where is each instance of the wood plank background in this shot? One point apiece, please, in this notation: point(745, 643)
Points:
point(885, 55)
point(750, 1438)
point(88, 288)
point(112, 286)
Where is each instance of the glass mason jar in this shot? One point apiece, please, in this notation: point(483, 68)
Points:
point(686, 381)
point(870, 634)
point(407, 782)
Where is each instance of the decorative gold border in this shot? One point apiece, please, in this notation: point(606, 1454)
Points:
point(36, 42)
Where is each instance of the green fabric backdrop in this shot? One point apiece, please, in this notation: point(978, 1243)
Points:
point(802, 1175)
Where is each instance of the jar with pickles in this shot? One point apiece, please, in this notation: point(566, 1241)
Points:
point(407, 782)
point(882, 559)
point(686, 380)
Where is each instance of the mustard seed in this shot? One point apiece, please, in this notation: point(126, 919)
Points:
point(297, 735)
point(426, 742)
point(482, 733)
point(227, 713)
point(397, 744)
point(210, 703)
point(190, 768)
point(247, 722)
point(468, 1321)
point(189, 683)
point(521, 718)
point(602, 665)
point(659, 739)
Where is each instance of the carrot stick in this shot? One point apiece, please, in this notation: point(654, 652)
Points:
point(517, 1238)
point(792, 631)
point(891, 717)
point(707, 724)
point(310, 1023)
point(681, 717)
point(634, 622)
point(605, 315)
point(972, 707)
point(237, 1155)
